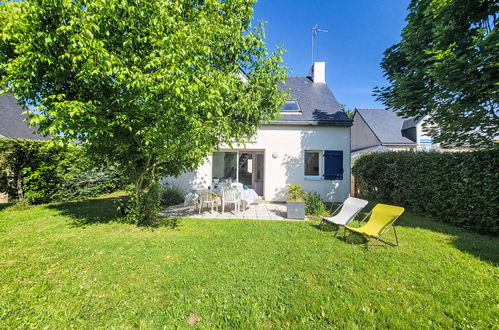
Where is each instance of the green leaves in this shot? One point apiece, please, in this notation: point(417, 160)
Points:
point(446, 67)
point(135, 79)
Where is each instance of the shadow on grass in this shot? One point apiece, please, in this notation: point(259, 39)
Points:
point(102, 210)
point(4, 206)
point(338, 232)
point(485, 248)
point(91, 211)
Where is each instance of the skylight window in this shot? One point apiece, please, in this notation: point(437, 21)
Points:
point(291, 106)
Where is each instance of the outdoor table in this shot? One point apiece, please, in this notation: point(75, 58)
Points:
point(248, 196)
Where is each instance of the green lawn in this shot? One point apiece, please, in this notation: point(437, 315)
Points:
point(69, 264)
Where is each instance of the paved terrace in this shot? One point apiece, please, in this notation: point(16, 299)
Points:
point(259, 210)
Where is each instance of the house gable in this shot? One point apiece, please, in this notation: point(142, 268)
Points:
point(386, 125)
point(317, 104)
point(362, 135)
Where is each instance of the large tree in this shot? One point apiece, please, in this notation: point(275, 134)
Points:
point(447, 67)
point(154, 85)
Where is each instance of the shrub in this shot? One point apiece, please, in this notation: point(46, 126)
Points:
point(40, 172)
point(295, 193)
point(314, 204)
point(146, 212)
point(89, 183)
point(456, 188)
point(171, 195)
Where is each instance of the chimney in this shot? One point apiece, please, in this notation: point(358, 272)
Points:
point(318, 72)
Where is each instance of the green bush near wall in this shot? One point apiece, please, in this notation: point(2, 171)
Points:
point(41, 172)
point(459, 188)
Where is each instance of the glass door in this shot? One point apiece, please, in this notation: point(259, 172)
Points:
point(258, 174)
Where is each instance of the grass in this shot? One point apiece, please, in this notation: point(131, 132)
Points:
point(70, 264)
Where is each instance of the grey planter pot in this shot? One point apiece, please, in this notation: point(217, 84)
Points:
point(296, 210)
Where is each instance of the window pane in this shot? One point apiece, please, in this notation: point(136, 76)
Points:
point(224, 166)
point(290, 106)
point(311, 163)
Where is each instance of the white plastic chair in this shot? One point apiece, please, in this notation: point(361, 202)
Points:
point(207, 197)
point(231, 196)
point(347, 211)
point(239, 186)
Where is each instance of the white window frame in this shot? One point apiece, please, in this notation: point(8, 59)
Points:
point(321, 166)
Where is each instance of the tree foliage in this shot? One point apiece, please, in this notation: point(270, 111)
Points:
point(447, 66)
point(152, 85)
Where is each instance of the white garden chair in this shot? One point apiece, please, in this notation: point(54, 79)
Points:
point(347, 212)
point(207, 197)
point(231, 196)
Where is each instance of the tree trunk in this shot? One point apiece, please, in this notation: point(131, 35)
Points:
point(20, 191)
point(146, 199)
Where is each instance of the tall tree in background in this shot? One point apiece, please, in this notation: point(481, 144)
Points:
point(447, 67)
point(154, 85)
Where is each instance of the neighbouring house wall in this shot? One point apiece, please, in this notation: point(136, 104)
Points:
point(288, 143)
point(410, 133)
point(424, 141)
point(362, 135)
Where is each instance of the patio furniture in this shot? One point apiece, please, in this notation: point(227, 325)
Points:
point(207, 197)
point(348, 210)
point(382, 218)
point(231, 196)
point(238, 186)
point(248, 196)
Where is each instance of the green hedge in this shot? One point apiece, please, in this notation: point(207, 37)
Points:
point(41, 172)
point(459, 188)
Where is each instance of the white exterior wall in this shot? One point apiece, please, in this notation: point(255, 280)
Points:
point(289, 144)
point(423, 139)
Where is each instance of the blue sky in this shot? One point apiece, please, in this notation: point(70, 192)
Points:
point(359, 32)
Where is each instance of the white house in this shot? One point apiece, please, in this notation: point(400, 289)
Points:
point(308, 145)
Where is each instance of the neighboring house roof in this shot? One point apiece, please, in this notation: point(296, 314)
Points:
point(375, 149)
point(317, 104)
point(386, 125)
point(12, 121)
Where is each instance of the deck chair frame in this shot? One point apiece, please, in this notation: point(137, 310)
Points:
point(335, 212)
point(378, 238)
point(332, 214)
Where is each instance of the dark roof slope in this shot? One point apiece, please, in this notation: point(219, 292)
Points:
point(317, 103)
point(12, 120)
point(385, 124)
point(411, 122)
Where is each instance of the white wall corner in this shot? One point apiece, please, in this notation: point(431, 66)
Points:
point(319, 72)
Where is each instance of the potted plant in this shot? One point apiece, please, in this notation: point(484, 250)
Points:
point(296, 202)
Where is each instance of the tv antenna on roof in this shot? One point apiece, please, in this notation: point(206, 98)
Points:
point(315, 29)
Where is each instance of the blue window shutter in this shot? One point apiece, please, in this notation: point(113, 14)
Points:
point(333, 164)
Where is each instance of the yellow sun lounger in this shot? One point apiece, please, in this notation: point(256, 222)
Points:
point(382, 219)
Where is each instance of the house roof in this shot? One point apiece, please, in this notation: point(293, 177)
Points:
point(317, 104)
point(12, 121)
point(385, 124)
